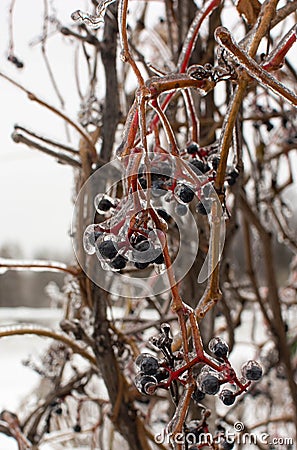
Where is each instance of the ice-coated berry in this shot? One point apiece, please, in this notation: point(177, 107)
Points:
point(104, 204)
point(210, 384)
point(147, 363)
point(143, 245)
point(252, 370)
point(119, 262)
point(218, 347)
point(107, 249)
point(192, 148)
point(181, 210)
point(227, 397)
point(159, 259)
point(186, 194)
point(163, 214)
point(203, 168)
point(145, 383)
point(198, 395)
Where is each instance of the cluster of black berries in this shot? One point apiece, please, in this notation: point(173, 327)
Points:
point(165, 373)
point(206, 161)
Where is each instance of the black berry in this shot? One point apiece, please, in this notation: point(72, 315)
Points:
point(192, 148)
point(104, 204)
point(142, 246)
point(163, 214)
point(148, 364)
point(119, 262)
point(218, 347)
point(200, 165)
point(77, 428)
point(198, 395)
point(159, 259)
point(59, 411)
point(107, 249)
point(146, 384)
point(210, 385)
point(186, 194)
point(227, 397)
point(252, 370)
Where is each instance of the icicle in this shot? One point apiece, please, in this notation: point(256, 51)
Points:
point(93, 21)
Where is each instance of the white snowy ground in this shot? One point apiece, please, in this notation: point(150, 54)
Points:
point(16, 380)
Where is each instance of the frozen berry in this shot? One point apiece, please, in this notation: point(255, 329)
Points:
point(104, 204)
point(147, 363)
point(210, 385)
point(200, 165)
point(159, 259)
point(119, 262)
point(163, 214)
point(146, 384)
point(181, 210)
point(227, 397)
point(252, 370)
point(186, 194)
point(77, 428)
point(198, 395)
point(218, 347)
point(107, 249)
point(142, 246)
point(59, 411)
point(192, 148)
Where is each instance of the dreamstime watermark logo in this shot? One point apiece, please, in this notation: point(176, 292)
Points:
point(238, 436)
point(109, 179)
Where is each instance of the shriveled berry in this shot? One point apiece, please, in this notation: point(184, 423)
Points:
point(218, 347)
point(186, 194)
point(192, 148)
point(119, 262)
point(227, 397)
point(107, 249)
point(252, 370)
point(198, 395)
point(104, 204)
point(210, 385)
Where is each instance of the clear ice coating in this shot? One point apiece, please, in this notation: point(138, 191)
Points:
point(93, 21)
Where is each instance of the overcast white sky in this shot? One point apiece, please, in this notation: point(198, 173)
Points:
point(35, 191)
